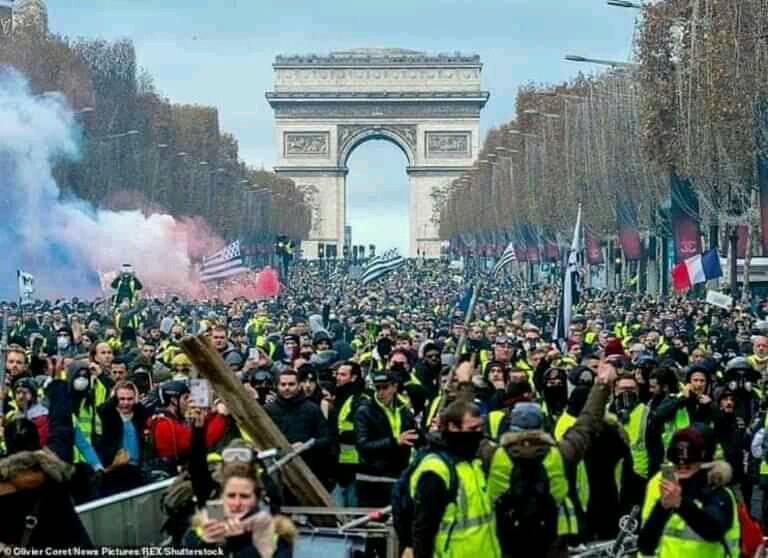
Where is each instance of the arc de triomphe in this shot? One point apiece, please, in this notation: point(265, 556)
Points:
point(325, 106)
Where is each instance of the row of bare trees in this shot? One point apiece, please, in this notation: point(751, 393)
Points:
point(693, 104)
point(142, 151)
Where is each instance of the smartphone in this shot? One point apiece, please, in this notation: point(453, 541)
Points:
point(214, 509)
point(668, 472)
point(254, 353)
point(200, 393)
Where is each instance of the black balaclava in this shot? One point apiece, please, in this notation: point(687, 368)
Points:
point(556, 397)
point(464, 445)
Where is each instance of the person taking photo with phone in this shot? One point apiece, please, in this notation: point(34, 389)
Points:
point(687, 511)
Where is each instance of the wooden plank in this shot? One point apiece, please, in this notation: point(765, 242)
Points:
point(254, 420)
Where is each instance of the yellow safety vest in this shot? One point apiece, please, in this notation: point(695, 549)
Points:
point(468, 525)
point(681, 420)
point(680, 541)
point(638, 423)
point(563, 425)
point(498, 483)
point(433, 406)
point(348, 453)
point(494, 424)
point(764, 462)
point(393, 417)
point(88, 419)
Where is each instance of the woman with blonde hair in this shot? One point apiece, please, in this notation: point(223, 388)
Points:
point(245, 528)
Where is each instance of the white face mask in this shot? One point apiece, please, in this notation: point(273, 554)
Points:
point(62, 343)
point(81, 384)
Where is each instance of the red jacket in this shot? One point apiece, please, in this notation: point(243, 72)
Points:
point(171, 437)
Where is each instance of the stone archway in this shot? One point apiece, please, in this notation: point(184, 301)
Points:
point(326, 106)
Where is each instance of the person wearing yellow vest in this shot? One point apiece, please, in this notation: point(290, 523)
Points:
point(87, 393)
point(633, 416)
point(528, 447)
point(694, 405)
point(498, 419)
point(759, 358)
point(578, 481)
point(386, 433)
point(684, 513)
point(349, 395)
point(464, 526)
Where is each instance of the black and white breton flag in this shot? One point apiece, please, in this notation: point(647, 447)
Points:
point(569, 294)
point(224, 263)
point(506, 258)
point(381, 265)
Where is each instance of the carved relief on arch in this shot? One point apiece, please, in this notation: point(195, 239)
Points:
point(351, 135)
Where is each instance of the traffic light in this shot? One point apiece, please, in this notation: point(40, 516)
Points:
point(321, 250)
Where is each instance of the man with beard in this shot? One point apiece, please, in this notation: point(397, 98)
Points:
point(732, 436)
point(349, 394)
point(300, 420)
point(663, 385)
point(427, 370)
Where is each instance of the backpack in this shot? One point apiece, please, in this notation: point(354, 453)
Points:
point(527, 514)
point(402, 503)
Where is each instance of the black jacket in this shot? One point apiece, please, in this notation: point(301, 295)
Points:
point(706, 509)
point(299, 420)
point(111, 440)
point(61, 433)
point(430, 501)
point(379, 450)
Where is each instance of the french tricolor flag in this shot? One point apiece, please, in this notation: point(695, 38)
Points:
point(697, 269)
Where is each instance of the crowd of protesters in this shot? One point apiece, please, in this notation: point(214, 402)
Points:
point(514, 445)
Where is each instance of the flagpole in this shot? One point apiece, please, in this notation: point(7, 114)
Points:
point(563, 322)
point(459, 347)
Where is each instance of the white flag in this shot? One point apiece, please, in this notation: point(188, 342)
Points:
point(26, 286)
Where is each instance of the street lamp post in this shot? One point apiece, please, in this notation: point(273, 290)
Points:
point(625, 4)
point(155, 178)
point(612, 63)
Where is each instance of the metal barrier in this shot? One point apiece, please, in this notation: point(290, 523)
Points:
point(135, 518)
point(348, 541)
point(132, 518)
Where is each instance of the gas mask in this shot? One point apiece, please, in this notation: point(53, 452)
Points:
point(625, 403)
point(740, 384)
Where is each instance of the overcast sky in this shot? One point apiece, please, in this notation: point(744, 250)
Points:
point(220, 52)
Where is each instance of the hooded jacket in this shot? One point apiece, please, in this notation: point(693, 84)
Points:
point(533, 444)
point(31, 479)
